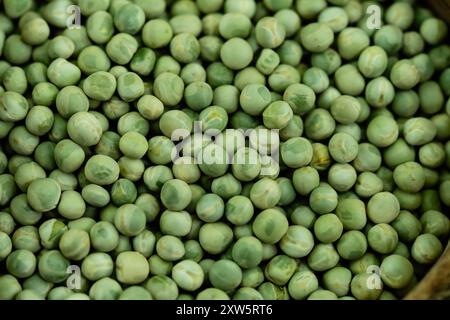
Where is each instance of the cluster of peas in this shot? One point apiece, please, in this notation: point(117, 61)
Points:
point(86, 173)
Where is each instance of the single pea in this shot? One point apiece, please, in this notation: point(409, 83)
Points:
point(9, 287)
point(100, 86)
point(277, 115)
point(130, 18)
point(254, 99)
point(130, 220)
point(43, 194)
point(175, 194)
point(188, 275)
point(419, 131)
point(379, 92)
point(404, 74)
point(247, 252)
point(131, 267)
point(157, 33)
point(433, 30)
point(104, 236)
point(409, 176)
point(62, 73)
point(101, 170)
point(270, 33)
point(231, 59)
point(185, 48)
point(7, 223)
point(267, 61)
point(14, 107)
point(71, 205)
point(426, 248)
point(408, 227)
point(351, 42)
point(162, 288)
point(100, 27)
point(280, 269)
point(316, 37)
point(121, 48)
point(302, 284)
point(342, 177)
point(215, 237)
point(323, 199)
point(382, 131)
point(270, 217)
point(260, 190)
point(345, 109)
point(75, 244)
point(169, 88)
point(84, 128)
point(95, 195)
point(435, 222)
point(383, 207)
point(53, 266)
point(175, 223)
point(135, 293)
point(96, 266)
point(225, 275)
point(396, 271)
point(364, 288)
point(352, 245)
point(105, 289)
point(343, 147)
point(390, 38)
point(328, 228)
point(130, 86)
point(382, 238)
point(170, 248)
point(297, 242)
point(6, 245)
point(292, 148)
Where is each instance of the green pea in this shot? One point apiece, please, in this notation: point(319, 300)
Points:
point(75, 244)
point(278, 226)
point(101, 170)
point(364, 288)
point(382, 238)
point(168, 88)
point(231, 59)
point(396, 271)
point(157, 33)
point(99, 27)
point(121, 48)
point(97, 266)
point(426, 248)
point(170, 248)
point(53, 266)
point(130, 220)
point(175, 223)
point(14, 107)
point(131, 267)
point(302, 284)
point(9, 287)
point(382, 131)
point(328, 228)
point(62, 73)
point(188, 275)
point(135, 293)
point(71, 205)
point(215, 237)
point(247, 252)
point(409, 176)
point(316, 37)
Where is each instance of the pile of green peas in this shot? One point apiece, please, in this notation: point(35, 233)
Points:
point(88, 181)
